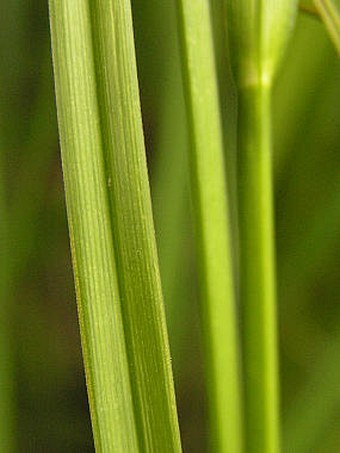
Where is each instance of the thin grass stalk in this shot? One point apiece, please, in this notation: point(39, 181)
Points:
point(98, 300)
point(257, 270)
point(133, 228)
point(258, 32)
point(209, 191)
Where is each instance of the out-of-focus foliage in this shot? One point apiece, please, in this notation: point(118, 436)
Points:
point(50, 398)
point(329, 11)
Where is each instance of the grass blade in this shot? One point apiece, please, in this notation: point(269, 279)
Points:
point(106, 30)
point(133, 229)
point(212, 222)
point(95, 271)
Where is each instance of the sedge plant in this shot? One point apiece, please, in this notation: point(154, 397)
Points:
point(119, 296)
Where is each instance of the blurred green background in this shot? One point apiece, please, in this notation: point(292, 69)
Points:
point(42, 388)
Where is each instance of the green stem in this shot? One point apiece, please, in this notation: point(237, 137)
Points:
point(209, 192)
point(257, 270)
point(87, 201)
point(39, 155)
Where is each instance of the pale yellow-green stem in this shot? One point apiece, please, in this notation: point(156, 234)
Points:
point(258, 33)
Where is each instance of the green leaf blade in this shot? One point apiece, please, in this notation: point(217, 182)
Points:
point(97, 290)
point(132, 227)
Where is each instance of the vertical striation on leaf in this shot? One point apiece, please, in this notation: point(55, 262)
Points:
point(119, 295)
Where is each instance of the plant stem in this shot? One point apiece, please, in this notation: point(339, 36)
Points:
point(132, 227)
point(95, 271)
point(257, 274)
point(209, 192)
